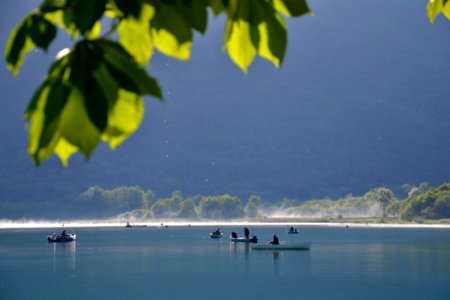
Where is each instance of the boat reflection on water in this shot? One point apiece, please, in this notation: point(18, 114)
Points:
point(241, 254)
point(276, 263)
point(64, 255)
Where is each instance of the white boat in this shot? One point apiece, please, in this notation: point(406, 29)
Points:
point(253, 239)
point(283, 246)
point(67, 237)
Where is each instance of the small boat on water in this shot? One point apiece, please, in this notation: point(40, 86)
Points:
point(292, 230)
point(131, 226)
point(245, 239)
point(253, 239)
point(63, 238)
point(283, 246)
point(215, 235)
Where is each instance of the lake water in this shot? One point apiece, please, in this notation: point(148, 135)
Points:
point(184, 263)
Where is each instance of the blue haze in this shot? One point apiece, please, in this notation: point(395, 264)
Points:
point(184, 263)
point(361, 101)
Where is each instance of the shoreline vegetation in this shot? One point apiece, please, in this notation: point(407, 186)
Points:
point(422, 205)
point(369, 222)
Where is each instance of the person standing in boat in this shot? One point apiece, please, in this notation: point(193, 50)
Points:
point(274, 240)
point(246, 232)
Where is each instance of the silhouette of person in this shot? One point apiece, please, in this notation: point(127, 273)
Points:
point(246, 232)
point(274, 240)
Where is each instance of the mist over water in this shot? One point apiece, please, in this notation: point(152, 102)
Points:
point(373, 210)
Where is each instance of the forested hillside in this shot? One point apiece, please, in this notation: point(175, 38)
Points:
point(131, 203)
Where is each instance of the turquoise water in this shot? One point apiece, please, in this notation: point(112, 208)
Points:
point(184, 263)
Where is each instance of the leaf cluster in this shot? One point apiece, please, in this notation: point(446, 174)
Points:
point(93, 91)
point(436, 7)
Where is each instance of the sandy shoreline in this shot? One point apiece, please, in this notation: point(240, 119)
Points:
point(6, 224)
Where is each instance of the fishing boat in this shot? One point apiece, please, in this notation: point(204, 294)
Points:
point(134, 225)
point(216, 235)
point(63, 238)
point(253, 239)
point(283, 246)
point(292, 230)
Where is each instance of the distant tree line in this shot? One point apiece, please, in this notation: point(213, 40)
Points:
point(133, 203)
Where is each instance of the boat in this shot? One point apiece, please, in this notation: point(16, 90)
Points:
point(131, 226)
point(215, 235)
point(283, 246)
point(292, 230)
point(63, 238)
point(253, 239)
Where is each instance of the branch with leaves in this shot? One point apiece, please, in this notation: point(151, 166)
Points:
point(93, 91)
point(436, 7)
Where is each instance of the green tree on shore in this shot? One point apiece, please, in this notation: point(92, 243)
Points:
point(432, 204)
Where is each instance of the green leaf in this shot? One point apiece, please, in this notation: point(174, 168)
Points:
point(33, 31)
point(292, 8)
point(134, 35)
point(123, 118)
point(42, 32)
point(272, 33)
point(44, 132)
point(129, 74)
point(217, 7)
point(76, 127)
point(91, 93)
point(37, 118)
point(86, 13)
point(238, 36)
point(125, 109)
point(171, 31)
point(434, 7)
point(56, 101)
point(18, 45)
point(446, 9)
point(86, 57)
point(56, 72)
point(50, 6)
point(198, 14)
point(129, 7)
point(96, 104)
point(45, 109)
point(107, 84)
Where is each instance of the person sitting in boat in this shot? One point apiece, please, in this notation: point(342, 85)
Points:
point(291, 229)
point(64, 233)
point(246, 232)
point(274, 240)
point(234, 235)
point(217, 232)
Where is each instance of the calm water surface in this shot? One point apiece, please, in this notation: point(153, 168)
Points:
point(184, 263)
